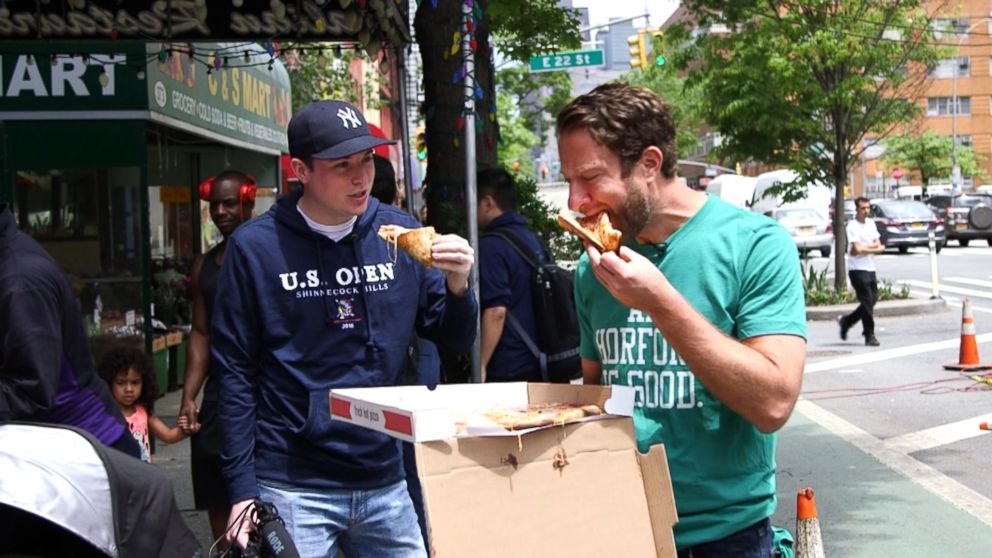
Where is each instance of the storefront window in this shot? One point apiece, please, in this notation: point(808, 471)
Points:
point(89, 221)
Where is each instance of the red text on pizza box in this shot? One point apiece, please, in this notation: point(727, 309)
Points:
point(573, 490)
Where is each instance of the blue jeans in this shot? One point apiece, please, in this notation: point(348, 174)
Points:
point(752, 542)
point(379, 522)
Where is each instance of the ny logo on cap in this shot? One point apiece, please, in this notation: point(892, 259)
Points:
point(348, 118)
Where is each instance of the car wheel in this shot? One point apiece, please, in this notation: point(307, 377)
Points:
point(903, 249)
point(963, 242)
point(825, 251)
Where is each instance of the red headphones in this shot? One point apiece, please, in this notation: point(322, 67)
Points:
point(246, 193)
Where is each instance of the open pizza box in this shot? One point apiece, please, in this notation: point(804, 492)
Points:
point(574, 490)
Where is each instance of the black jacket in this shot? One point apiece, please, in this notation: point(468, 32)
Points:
point(46, 369)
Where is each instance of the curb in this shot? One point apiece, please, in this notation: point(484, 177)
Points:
point(887, 308)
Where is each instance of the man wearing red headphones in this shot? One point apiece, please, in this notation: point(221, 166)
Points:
point(231, 195)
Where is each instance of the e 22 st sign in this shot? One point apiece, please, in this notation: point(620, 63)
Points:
point(566, 60)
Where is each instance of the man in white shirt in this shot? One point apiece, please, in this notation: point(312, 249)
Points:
point(862, 242)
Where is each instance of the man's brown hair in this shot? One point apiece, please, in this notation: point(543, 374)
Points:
point(627, 119)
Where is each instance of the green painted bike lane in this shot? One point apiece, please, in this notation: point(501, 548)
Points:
point(867, 509)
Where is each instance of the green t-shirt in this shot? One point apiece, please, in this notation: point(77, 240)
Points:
point(741, 271)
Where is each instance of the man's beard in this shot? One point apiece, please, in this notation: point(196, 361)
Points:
point(635, 213)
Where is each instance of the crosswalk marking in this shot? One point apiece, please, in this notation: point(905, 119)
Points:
point(969, 281)
point(945, 288)
point(937, 436)
point(861, 359)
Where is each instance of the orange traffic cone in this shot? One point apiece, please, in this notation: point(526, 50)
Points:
point(809, 544)
point(968, 356)
point(984, 426)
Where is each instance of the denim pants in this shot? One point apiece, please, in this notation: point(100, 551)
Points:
point(378, 522)
point(752, 542)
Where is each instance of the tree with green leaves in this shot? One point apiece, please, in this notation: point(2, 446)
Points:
point(520, 28)
point(516, 137)
point(683, 96)
point(929, 155)
point(323, 71)
point(802, 83)
point(539, 96)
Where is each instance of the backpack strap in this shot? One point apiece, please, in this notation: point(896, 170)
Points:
point(521, 249)
point(517, 244)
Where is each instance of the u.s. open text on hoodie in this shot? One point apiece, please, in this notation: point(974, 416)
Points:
point(298, 314)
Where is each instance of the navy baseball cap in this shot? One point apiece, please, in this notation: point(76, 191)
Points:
point(330, 130)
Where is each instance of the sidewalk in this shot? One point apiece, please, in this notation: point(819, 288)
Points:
point(883, 309)
point(174, 460)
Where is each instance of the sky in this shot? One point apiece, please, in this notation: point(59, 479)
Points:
point(600, 11)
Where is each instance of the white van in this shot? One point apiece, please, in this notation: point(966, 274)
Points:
point(733, 188)
point(818, 196)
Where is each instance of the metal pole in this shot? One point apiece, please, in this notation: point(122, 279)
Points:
point(405, 130)
point(934, 278)
point(955, 170)
point(470, 185)
point(613, 22)
point(954, 121)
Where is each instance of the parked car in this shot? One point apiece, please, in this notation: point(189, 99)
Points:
point(849, 210)
point(809, 229)
point(906, 223)
point(967, 216)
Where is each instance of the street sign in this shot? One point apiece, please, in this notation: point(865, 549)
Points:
point(566, 60)
point(897, 173)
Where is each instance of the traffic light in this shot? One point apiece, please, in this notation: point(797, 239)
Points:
point(657, 44)
point(638, 52)
point(421, 144)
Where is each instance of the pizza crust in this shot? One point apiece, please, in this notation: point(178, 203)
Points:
point(416, 242)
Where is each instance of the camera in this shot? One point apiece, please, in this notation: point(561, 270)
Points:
point(269, 539)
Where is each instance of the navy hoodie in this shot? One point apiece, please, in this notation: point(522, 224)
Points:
point(297, 314)
point(46, 370)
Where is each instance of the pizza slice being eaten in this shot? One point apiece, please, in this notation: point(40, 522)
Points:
point(595, 229)
point(416, 242)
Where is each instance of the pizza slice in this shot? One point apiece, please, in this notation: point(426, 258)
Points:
point(595, 229)
point(416, 242)
point(540, 414)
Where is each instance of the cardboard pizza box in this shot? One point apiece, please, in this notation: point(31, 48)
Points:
point(578, 490)
point(419, 414)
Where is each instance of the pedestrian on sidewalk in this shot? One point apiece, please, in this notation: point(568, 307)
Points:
point(310, 298)
point(130, 374)
point(231, 195)
point(505, 294)
point(701, 311)
point(863, 242)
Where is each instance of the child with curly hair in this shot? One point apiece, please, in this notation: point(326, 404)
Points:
point(131, 376)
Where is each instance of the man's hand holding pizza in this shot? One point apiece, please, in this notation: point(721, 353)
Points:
point(630, 277)
point(454, 256)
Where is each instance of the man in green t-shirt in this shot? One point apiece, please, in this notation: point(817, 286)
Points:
point(701, 311)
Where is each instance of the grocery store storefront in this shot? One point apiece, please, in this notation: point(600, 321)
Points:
point(102, 147)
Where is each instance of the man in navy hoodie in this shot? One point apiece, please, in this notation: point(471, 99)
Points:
point(310, 298)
